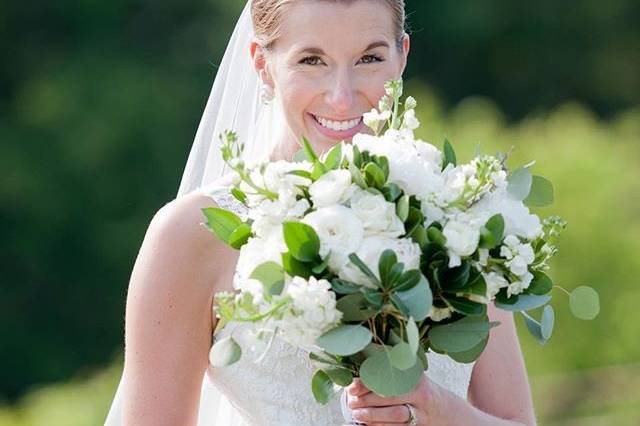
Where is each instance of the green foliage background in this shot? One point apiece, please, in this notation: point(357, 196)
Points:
point(99, 102)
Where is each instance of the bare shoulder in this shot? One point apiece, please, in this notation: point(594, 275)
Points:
point(500, 373)
point(169, 318)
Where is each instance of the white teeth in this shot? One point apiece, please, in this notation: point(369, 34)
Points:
point(338, 125)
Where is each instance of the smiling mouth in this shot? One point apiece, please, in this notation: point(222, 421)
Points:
point(336, 125)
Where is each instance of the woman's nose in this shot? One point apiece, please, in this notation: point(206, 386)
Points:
point(340, 95)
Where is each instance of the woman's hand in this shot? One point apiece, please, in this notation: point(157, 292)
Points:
point(374, 410)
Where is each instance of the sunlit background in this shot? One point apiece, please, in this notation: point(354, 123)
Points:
point(99, 103)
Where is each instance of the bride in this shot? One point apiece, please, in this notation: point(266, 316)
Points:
point(292, 68)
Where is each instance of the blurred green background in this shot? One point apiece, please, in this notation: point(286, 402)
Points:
point(99, 103)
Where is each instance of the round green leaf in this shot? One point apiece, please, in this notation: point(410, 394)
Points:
point(321, 387)
point(413, 335)
point(271, 275)
point(461, 335)
point(379, 375)
point(540, 284)
point(339, 376)
point(546, 322)
point(417, 299)
point(225, 352)
point(541, 193)
point(354, 308)
point(519, 183)
point(584, 302)
point(346, 339)
point(401, 356)
point(525, 302)
point(467, 357)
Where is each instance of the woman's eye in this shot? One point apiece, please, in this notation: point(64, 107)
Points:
point(311, 60)
point(369, 59)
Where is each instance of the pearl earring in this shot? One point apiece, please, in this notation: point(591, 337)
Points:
point(266, 93)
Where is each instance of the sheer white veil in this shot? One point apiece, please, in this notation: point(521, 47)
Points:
point(234, 104)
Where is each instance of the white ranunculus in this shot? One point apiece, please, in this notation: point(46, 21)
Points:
point(463, 234)
point(340, 232)
point(333, 187)
point(378, 216)
point(407, 252)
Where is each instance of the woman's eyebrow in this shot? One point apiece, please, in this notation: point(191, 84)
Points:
point(318, 51)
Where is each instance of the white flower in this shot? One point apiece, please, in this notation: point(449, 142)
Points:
point(495, 281)
point(373, 119)
point(340, 232)
point(518, 287)
point(462, 233)
point(378, 216)
point(333, 187)
point(313, 311)
point(409, 120)
point(255, 252)
point(519, 255)
point(369, 252)
point(429, 154)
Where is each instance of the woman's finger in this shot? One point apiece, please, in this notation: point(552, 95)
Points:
point(394, 414)
point(357, 388)
point(372, 399)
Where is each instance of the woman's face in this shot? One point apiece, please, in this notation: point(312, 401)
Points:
point(329, 67)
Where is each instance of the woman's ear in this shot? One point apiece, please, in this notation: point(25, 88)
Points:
point(406, 44)
point(260, 62)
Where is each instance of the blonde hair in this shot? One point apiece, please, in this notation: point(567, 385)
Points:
point(267, 18)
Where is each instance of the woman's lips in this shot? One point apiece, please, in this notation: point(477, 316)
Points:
point(333, 133)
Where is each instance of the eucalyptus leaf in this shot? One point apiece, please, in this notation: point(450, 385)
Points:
point(338, 375)
point(470, 355)
point(534, 327)
point(322, 387)
point(379, 375)
point(540, 284)
point(461, 335)
point(225, 352)
point(547, 321)
point(354, 308)
point(271, 275)
point(541, 193)
point(525, 302)
point(364, 269)
point(346, 339)
point(413, 335)
point(584, 303)
point(519, 183)
point(418, 299)
point(402, 357)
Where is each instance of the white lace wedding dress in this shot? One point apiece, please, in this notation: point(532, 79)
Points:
point(277, 390)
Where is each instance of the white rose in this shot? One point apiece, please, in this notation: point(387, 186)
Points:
point(463, 234)
point(378, 216)
point(340, 232)
point(369, 252)
point(331, 188)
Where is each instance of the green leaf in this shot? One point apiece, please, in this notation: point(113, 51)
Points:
point(449, 154)
point(344, 287)
point(354, 308)
point(225, 352)
point(387, 260)
point(466, 306)
point(391, 192)
point(547, 321)
point(457, 277)
point(417, 299)
point(525, 302)
point(302, 241)
point(534, 327)
point(541, 193)
point(294, 267)
point(413, 335)
point(436, 236)
point(357, 177)
point(379, 375)
point(461, 335)
point(340, 376)
point(322, 387)
point(402, 357)
point(240, 236)
point(584, 303)
point(375, 298)
point(271, 275)
point(540, 284)
point(492, 232)
point(239, 195)
point(402, 208)
point(519, 183)
point(221, 222)
point(346, 339)
point(470, 355)
point(308, 150)
point(334, 157)
point(364, 269)
point(374, 175)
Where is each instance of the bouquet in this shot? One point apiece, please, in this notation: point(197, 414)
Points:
point(371, 254)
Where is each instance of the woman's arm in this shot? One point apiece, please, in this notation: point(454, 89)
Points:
point(169, 321)
point(499, 384)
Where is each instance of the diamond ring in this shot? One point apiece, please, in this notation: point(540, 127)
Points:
point(413, 419)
